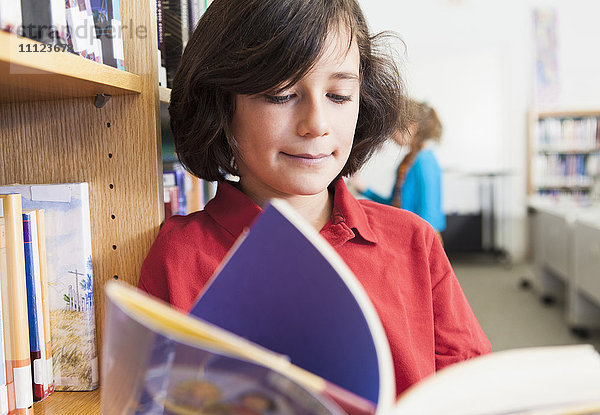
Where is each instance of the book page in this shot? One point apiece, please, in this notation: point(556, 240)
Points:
point(513, 381)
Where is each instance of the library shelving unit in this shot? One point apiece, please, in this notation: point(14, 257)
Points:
point(563, 153)
point(164, 95)
point(57, 126)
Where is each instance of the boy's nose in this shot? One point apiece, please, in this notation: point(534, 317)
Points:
point(313, 121)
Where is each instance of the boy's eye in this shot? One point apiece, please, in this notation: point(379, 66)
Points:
point(278, 99)
point(339, 99)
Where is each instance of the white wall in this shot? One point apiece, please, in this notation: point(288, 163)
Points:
point(473, 61)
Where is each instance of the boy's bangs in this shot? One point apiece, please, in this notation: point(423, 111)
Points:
point(288, 48)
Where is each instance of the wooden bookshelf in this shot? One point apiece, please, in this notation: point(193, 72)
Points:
point(164, 95)
point(51, 132)
point(566, 113)
point(28, 74)
point(60, 403)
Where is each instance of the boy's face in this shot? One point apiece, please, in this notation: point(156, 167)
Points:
point(297, 141)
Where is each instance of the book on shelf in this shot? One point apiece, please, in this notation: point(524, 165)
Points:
point(70, 280)
point(197, 192)
point(45, 21)
point(175, 34)
point(568, 133)
point(284, 325)
point(81, 31)
point(107, 21)
point(170, 194)
point(35, 318)
point(197, 9)
point(10, 16)
point(161, 62)
point(175, 178)
point(565, 159)
point(14, 307)
point(3, 387)
point(41, 236)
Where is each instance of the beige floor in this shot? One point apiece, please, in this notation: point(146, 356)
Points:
point(511, 316)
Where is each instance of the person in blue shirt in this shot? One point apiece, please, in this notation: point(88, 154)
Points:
point(418, 186)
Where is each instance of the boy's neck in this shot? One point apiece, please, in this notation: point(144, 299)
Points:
point(315, 209)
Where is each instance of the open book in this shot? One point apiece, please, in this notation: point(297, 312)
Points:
point(284, 327)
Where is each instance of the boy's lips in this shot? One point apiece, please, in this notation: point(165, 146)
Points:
point(308, 158)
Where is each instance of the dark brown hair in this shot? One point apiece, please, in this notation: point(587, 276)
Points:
point(253, 46)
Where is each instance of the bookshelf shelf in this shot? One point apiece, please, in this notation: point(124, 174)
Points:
point(60, 403)
point(164, 95)
point(34, 76)
point(568, 113)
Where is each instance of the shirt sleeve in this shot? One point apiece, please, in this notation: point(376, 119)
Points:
point(458, 335)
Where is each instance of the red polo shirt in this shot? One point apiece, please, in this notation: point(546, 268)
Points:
point(394, 254)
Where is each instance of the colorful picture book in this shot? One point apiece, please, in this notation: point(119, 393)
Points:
point(284, 306)
point(70, 280)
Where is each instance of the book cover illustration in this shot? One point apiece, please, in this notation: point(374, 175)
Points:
point(161, 367)
point(70, 280)
point(285, 288)
point(200, 381)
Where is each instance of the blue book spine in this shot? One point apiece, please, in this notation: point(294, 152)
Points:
point(36, 340)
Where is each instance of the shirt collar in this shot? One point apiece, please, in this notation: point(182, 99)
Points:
point(235, 211)
point(232, 209)
point(349, 211)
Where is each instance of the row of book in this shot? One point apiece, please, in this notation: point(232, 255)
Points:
point(565, 170)
point(48, 336)
point(184, 193)
point(89, 28)
point(176, 21)
point(568, 134)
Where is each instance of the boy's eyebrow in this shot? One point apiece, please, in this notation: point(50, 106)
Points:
point(344, 75)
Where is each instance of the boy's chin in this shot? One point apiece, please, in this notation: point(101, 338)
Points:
point(310, 187)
